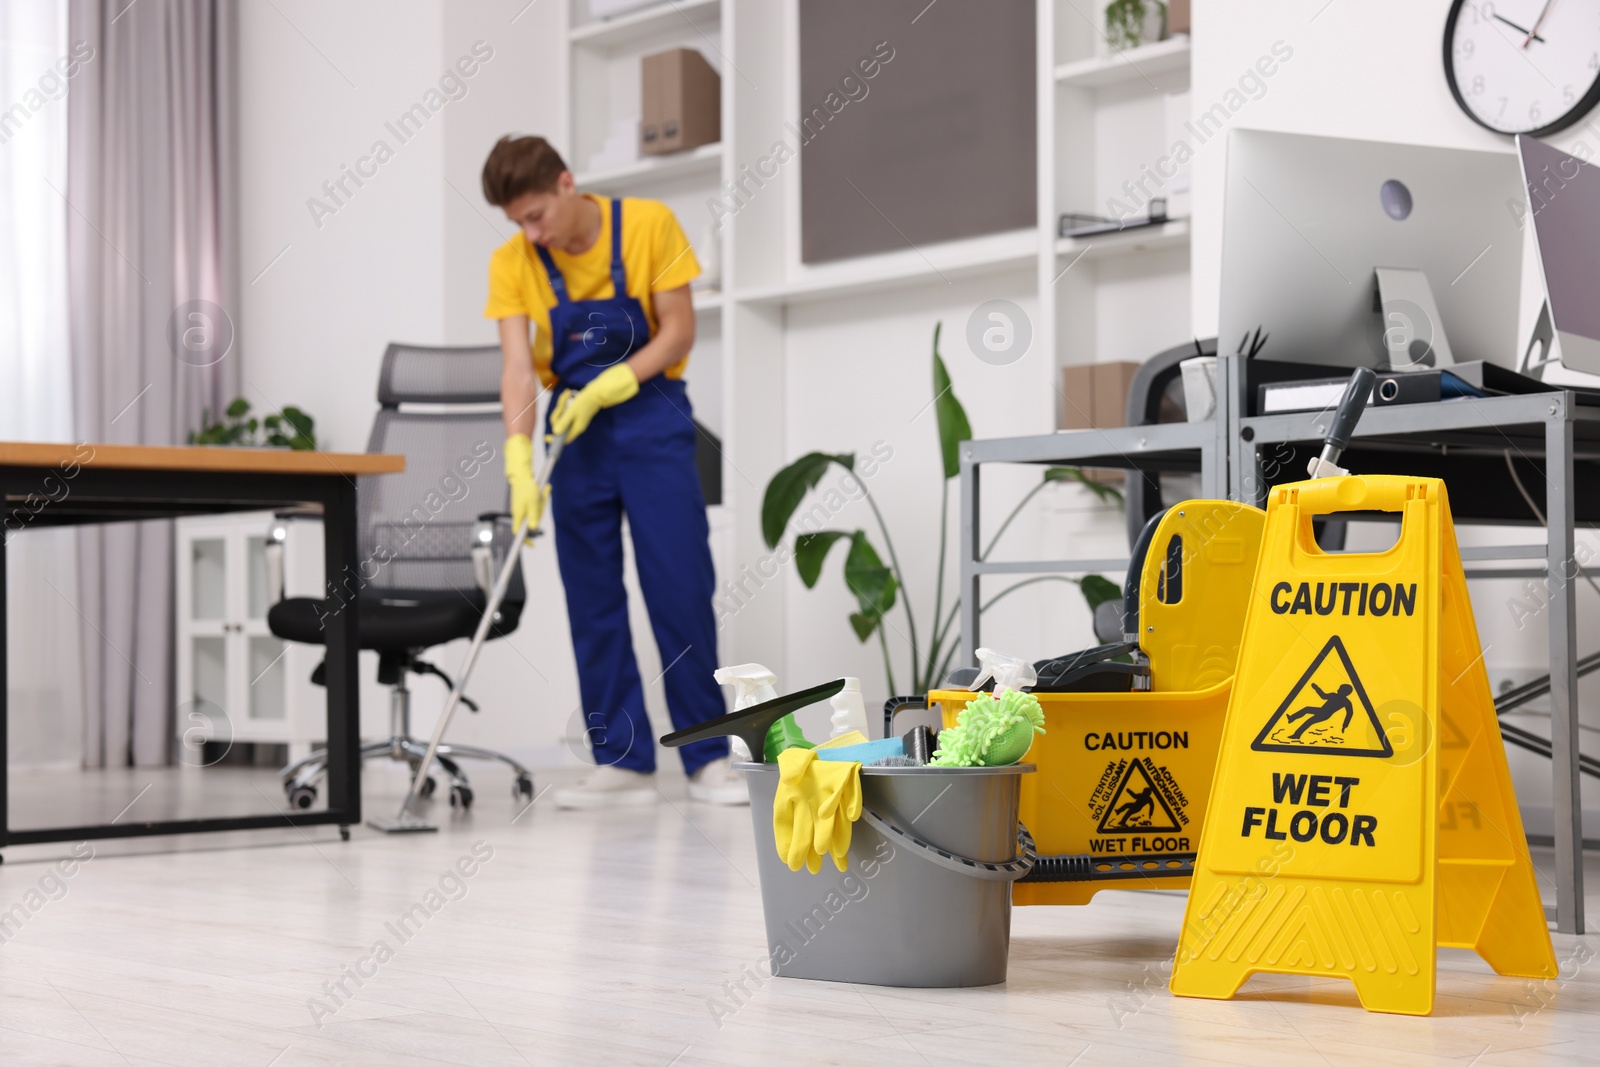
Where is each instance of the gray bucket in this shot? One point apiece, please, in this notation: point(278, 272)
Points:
point(926, 898)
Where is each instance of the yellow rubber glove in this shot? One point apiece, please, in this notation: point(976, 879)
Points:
point(815, 809)
point(574, 411)
point(526, 497)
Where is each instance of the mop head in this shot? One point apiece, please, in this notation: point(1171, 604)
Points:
point(991, 731)
point(896, 761)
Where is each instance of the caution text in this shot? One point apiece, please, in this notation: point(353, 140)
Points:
point(1344, 598)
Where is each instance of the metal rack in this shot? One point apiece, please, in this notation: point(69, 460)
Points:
point(1179, 447)
point(1550, 436)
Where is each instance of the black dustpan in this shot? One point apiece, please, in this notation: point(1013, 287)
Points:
point(751, 724)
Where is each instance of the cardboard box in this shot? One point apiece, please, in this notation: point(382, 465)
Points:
point(680, 102)
point(1096, 395)
point(1177, 16)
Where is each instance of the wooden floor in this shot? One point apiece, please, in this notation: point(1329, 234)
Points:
point(609, 937)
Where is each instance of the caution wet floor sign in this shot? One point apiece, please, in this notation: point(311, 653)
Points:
point(1359, 729)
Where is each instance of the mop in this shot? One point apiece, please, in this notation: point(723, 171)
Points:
point(407, 821)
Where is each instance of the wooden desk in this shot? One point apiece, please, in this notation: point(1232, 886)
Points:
point(64, 485)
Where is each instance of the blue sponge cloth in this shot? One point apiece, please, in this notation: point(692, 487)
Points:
point(867, 753)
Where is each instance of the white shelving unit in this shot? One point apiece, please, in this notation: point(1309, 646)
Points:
point(1104, 124)
point(1136, 64)
point(1101, 117)
point(702, 162)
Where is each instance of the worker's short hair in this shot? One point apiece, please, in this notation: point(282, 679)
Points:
point(518, 165)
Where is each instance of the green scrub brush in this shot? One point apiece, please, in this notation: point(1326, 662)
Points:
point(991, 732)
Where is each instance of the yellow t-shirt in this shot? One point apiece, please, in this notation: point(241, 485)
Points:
point(654, 251)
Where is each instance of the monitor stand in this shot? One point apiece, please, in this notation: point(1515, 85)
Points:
point(1413, 332)
point(1544, 337)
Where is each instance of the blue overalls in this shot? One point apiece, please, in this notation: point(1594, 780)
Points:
point(636, 458)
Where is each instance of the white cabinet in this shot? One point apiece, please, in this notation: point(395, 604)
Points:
point(236, 681)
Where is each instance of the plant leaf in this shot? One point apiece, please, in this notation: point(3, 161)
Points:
point(811, 550)
point(871, 582)
point(863, 625)
point(789, 487)
point(1076, 474)
point(239, 406)
point(1098, 589)
point(302, 422)
point(952, 417)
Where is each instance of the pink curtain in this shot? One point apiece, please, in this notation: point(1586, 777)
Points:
point(153, 281)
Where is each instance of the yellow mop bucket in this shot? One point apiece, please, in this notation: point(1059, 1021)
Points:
point(1124, 778)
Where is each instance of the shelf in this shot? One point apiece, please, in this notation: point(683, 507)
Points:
point(707, 301)
point(1172, 234)
point(1136, 64)
point(935, 264)
point(640, 25)
point(706, 160)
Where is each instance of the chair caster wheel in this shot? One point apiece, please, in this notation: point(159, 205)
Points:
point(302, 796)
point(461, 797)
point(344, 833)
point(522, 788)
point(429, 787)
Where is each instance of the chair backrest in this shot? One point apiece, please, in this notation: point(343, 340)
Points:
point(1151, 384)
point(440, 408)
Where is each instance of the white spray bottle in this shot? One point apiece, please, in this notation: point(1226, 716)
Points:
point(754, 684)
point(1008, 672)
point(849, 710)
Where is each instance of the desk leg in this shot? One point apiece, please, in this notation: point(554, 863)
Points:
point(5, 707)
point(1559, 576)
point(343, 643)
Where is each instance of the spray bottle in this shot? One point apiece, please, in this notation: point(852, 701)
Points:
point(849, 712)
point(995, 731)
point(754, 685)
point(1008, 672)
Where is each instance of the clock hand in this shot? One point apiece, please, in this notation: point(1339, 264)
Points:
point(1538, 22)
point(1531, 35)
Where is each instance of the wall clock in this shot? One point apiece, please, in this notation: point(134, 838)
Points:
point(1523, 66)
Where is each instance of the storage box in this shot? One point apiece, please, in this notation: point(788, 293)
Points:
point(680, 104)
point(1177, 16)
point(1096, 395)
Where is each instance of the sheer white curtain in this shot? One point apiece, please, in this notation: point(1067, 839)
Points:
point(46, 721)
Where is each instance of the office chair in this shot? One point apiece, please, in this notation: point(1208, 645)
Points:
point(430, 543)
point(1155, 395)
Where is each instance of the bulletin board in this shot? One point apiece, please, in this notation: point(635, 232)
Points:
point(916, 123)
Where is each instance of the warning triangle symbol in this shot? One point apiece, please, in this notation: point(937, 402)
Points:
point(1326, 712)
point(1137, 806)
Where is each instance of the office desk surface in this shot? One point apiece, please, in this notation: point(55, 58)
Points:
point(198, 458)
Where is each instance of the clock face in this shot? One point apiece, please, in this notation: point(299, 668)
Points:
point(1523, 66)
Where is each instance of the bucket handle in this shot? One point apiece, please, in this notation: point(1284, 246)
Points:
point(1009, 871)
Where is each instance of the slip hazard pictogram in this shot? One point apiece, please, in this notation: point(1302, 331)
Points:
point(1327, 711)
point(1138, 804)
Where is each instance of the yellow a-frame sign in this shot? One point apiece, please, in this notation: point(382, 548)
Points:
point(1362, 811)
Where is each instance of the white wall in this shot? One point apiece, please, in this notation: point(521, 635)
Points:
point(1373, 70)
point(403, 259)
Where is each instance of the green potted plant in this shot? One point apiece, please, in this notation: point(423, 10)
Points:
point(1126, 22)
point(878, 586)
point(290, 428)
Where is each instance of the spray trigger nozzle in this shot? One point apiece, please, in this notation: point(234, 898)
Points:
point(1008, 672)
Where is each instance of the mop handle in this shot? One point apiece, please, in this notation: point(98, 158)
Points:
point(496, 595)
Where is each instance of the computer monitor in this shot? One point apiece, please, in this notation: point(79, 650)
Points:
point(1309, 223)
point(1564, 198)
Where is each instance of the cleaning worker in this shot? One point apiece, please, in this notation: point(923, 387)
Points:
point(604, 285)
